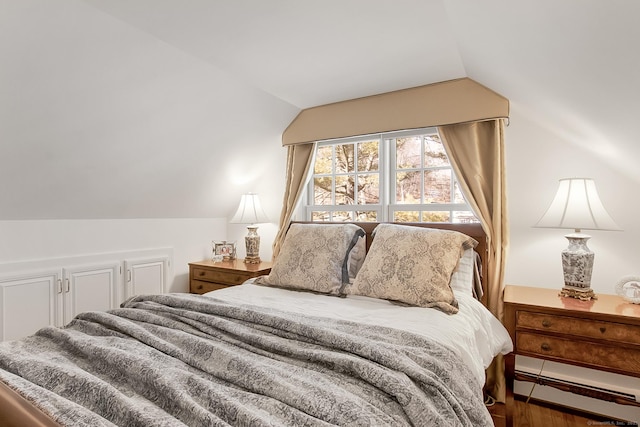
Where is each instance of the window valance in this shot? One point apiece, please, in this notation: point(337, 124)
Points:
point(450, 102)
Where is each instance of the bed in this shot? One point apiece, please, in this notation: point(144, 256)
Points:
point(330, 337)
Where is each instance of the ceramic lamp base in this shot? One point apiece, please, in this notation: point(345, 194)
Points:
point(577, 266)
point(252, 243)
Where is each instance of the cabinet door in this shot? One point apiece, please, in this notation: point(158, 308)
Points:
point(28, 303)
point(89, 288)
point(145, 276)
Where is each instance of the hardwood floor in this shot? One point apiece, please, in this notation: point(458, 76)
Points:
point(535, 415)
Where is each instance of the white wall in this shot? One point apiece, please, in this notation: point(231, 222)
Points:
point(537, 157)
point(101, 120)
point(536, 160)
point(261, 171)
point(35, 240)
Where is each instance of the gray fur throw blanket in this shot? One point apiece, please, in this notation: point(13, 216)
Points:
point(181, 359)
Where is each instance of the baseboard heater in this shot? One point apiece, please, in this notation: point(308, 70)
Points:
point(608, 395)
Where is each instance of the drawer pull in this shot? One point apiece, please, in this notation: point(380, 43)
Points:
point(546, 323)
point(545, 346)
point(603, 329)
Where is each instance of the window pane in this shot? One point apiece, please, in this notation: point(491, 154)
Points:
point(366, 216)
point(320, 216)
point(368, 156)
point(437, 186)
point(406, 216)
point(323, 162)
point(434, 153)
point(408, 188)
point(344, 158)
point(342, 216)
point(369, 189)
point(344, 190)
point(322, 190)
point(408, 153)
point(438, 216)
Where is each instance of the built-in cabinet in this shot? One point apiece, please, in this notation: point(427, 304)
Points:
point(31, 299)
point(28, 303)
point(90, 288)
point(145, 276)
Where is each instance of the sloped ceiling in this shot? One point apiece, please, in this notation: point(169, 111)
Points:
point(149, 108)
point(307, 52)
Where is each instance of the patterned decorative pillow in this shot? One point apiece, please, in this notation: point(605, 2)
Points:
point(315, 257)
point(412, 265)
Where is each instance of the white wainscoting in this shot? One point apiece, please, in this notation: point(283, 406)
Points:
point(50, 292)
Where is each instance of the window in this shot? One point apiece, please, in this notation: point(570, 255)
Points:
point(400, 177)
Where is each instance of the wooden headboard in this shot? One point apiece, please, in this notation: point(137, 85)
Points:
point(472, 230)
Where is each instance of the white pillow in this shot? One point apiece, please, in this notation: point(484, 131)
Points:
point(356, 257)
point(462, 277)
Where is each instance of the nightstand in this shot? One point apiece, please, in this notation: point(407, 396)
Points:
point(205, 276)
point(602, 334)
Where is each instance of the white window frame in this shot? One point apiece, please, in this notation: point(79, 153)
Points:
point(385, 210)
point(309, 206)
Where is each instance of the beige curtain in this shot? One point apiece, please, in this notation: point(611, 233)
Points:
point(476, 152)
point(299, 160)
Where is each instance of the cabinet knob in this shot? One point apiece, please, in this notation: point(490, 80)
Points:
point(546, 323)
point(545, 346)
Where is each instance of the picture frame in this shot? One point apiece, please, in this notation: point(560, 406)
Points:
point(224, 249)
point(215, 251)
point(629, 289)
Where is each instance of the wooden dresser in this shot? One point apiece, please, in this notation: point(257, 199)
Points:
point(602, 334)
point(205, 276)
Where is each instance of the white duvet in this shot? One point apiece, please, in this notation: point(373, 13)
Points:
point(474, 333)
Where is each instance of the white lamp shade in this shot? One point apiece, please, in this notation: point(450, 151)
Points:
point(577, 206)
point(249, 211)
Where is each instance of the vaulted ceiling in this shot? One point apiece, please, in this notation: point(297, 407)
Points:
point(147, 108)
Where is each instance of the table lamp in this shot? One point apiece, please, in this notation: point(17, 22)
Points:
point(250, 212)
point(577, 206)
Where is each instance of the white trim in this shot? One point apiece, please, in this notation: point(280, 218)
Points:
point(348, 140)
